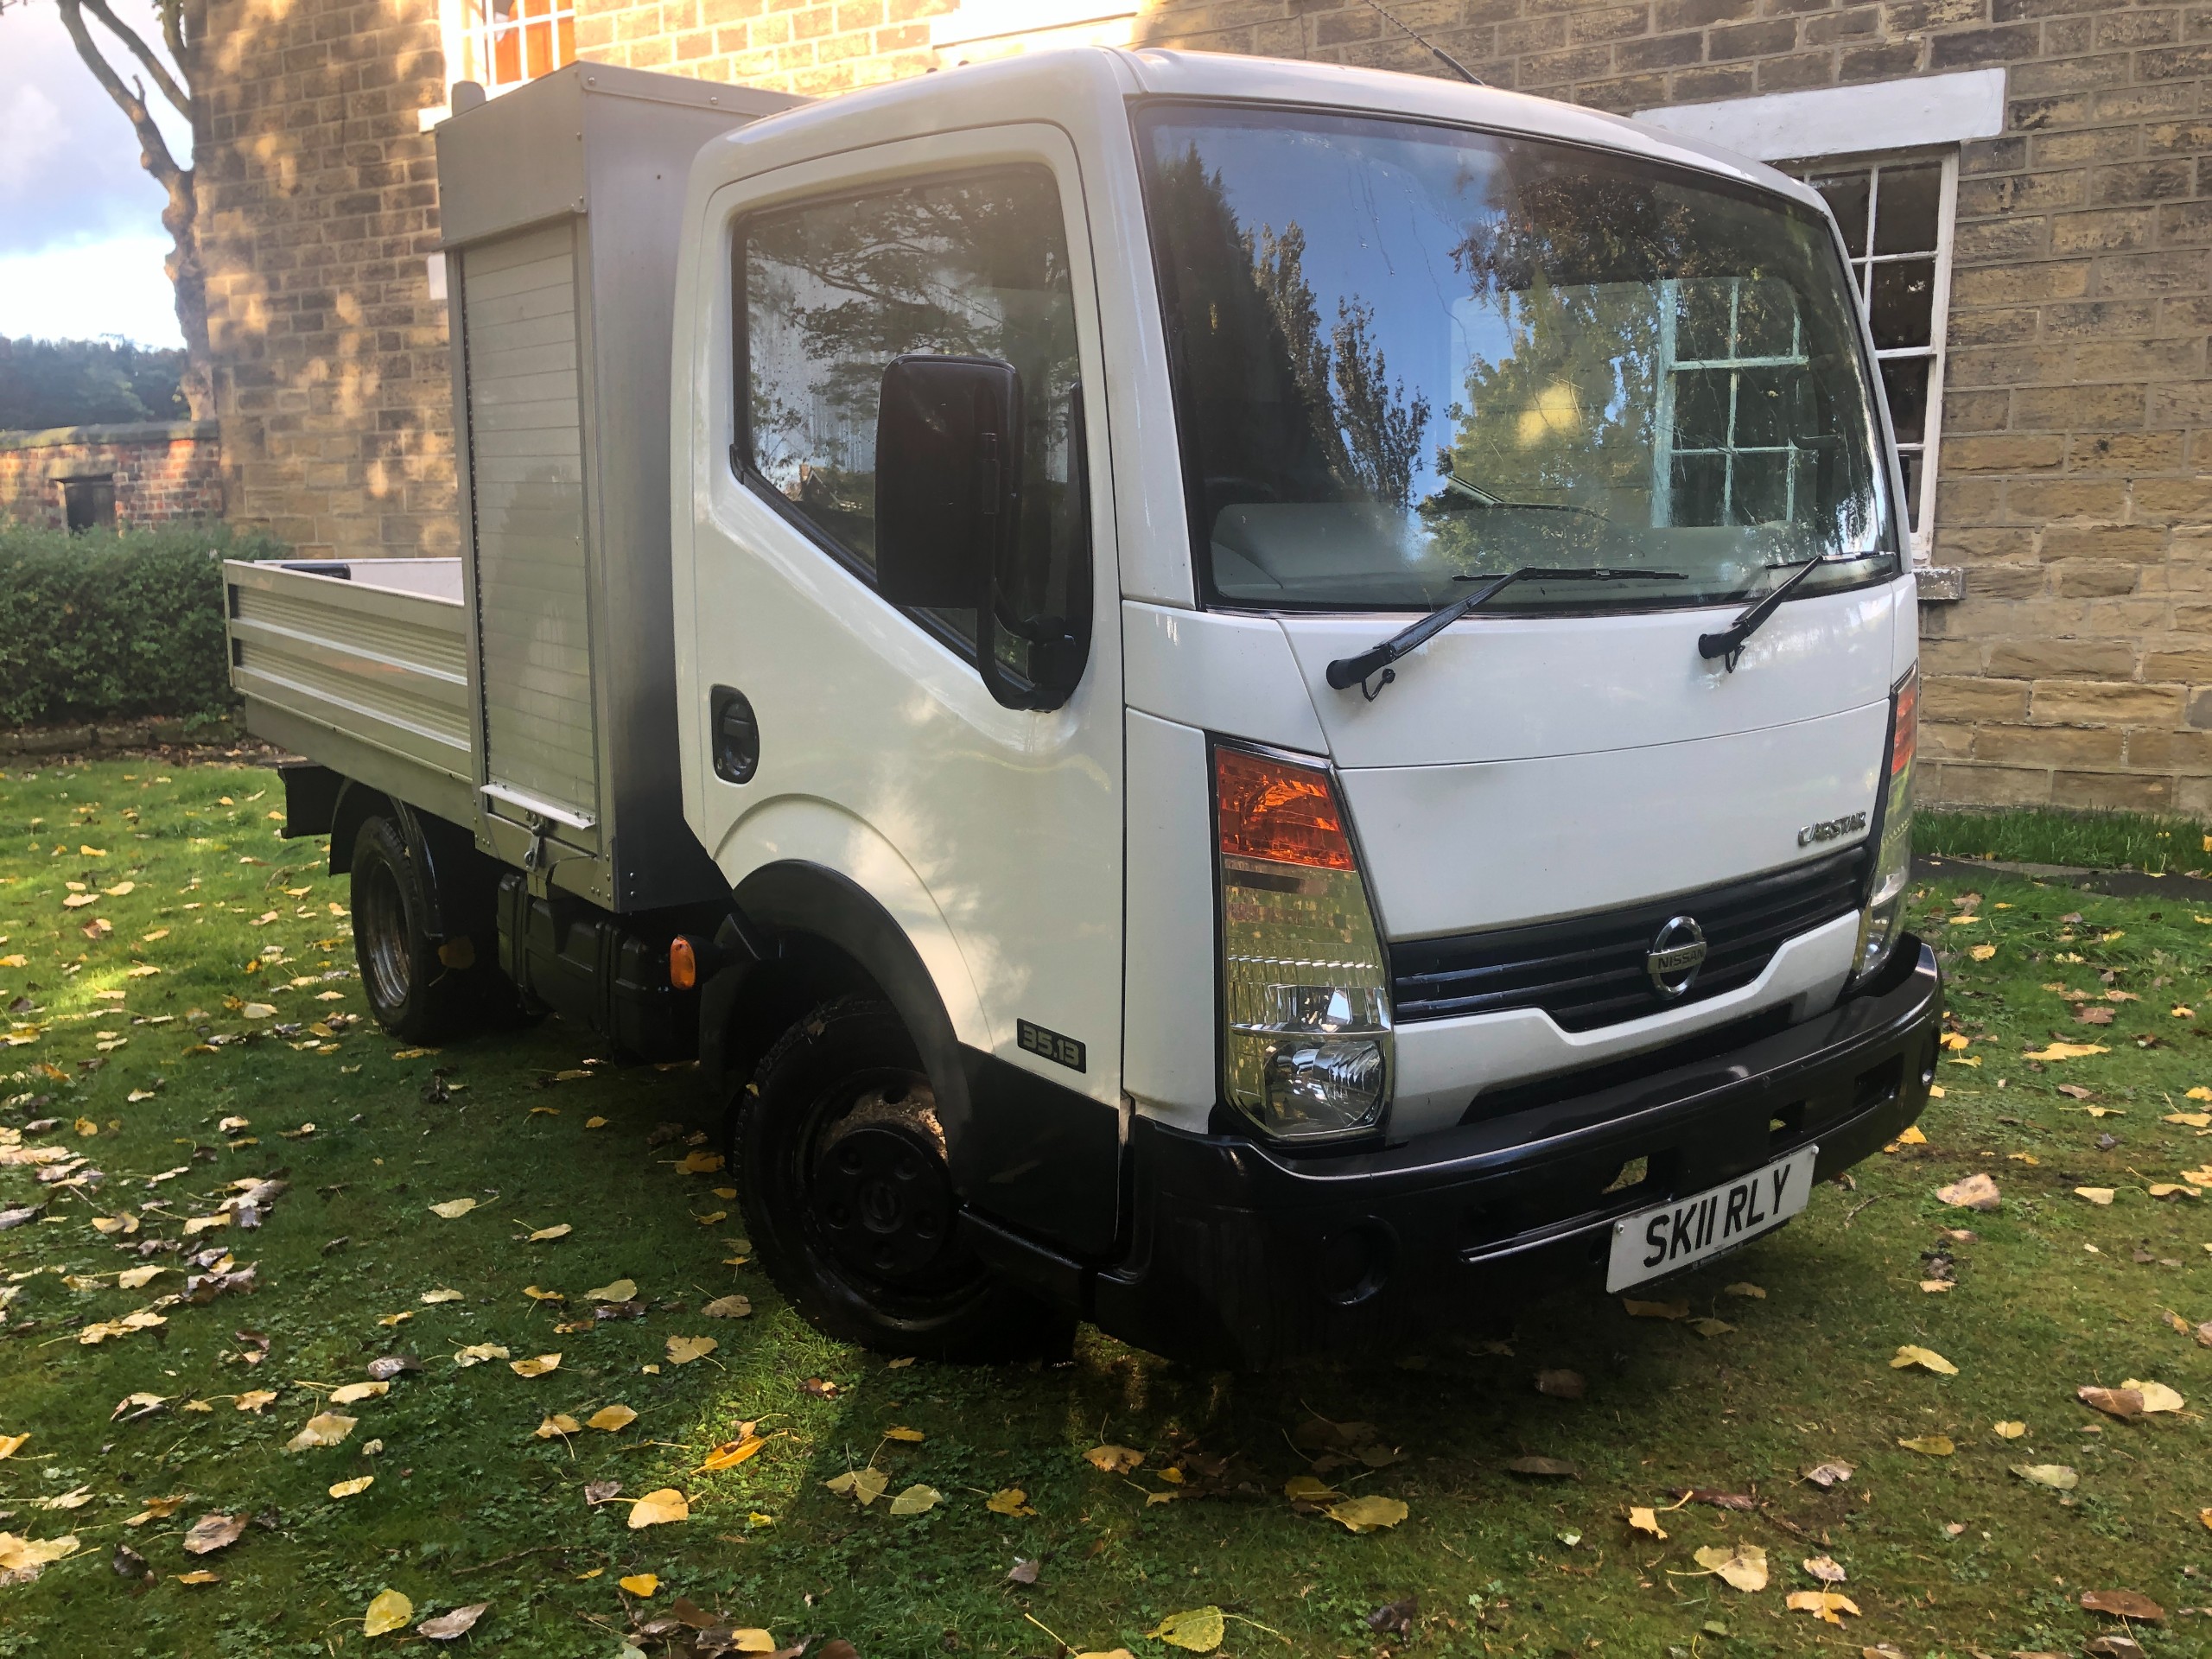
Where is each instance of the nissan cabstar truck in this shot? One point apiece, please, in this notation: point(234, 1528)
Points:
point(1263, 703)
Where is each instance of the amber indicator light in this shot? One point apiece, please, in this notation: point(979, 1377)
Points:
point(1280, 811)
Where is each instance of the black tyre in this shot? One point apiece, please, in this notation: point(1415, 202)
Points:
point(841, 1177)
point(419, 987)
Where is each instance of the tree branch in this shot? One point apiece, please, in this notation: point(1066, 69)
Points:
point(145, 53)
point(158, 160)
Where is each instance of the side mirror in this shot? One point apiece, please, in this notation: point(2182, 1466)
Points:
point(948, 478)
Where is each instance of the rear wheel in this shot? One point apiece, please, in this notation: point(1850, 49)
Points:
point(841, 1175)
point(419, 987)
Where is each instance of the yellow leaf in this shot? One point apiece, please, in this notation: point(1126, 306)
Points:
point(537, 1367)
point(388, 1612)
point(682, 1350)
point(1743, 1567)
point(30, 1555)
point(199, 1575)
point(1982, 952)
point(700, 1162)
point(752, 1641)
point(714, 1218)
point(1008, 1500)
point(620, 1291)
point(11, 1444)
point(258, 1011)
point(912, 1436)
point(2057, 1476)
point(2190, 1119)
point(17, 960)
point(1829, 1604)
point(611, 1418)
point(1199, 1630)
point(1927, 1358)
point(477, 1352)
point(863, 1485)
point(2200, 1093)
point(1368, 1513)
point(324, 1429)
point(454, 1209)
point(730, 1453)
point(2096, 1195)
point(1637, 1310)
point(728, 1307)
point(396, 1318)
point(1961, 921)
point(544, 1233)
point(640, 1584)
point(1929, 1445)
point(254, 1399)
point(350, 1488)
point(1645, 1519)
point(2156, 1397)
point(657, 1509)
point(1114, 1459)
point(917, 1499)
point(557, 1423)
point(2068, 1051)
point(431, 1298)
point(354, 1392)
point(2010, 1430)
point(537, 1295)
point(594, 1122)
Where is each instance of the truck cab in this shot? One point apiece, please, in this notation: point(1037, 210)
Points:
point(1290, 693)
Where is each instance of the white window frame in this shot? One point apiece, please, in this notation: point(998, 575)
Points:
point(1931, 435)
point(465, 31)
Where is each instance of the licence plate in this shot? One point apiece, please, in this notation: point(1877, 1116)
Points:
point(1653, 1243)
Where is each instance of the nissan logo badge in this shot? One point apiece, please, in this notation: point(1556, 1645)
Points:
point(1676, 955)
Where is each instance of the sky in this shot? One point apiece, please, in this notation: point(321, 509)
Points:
point(81, 242)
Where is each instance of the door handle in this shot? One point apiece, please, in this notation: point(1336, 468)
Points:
point(735, 734)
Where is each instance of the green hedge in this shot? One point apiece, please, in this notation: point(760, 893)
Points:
point(96, 626)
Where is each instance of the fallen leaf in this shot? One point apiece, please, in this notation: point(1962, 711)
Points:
point(2056, 1476)
point(1743, 1567)
point(555, 1424)
point(730, 1453)
point(2123, 1603)
point(2096, 1195)
point(1637, 1310)
point(2156, 1397)
point(1710, 1328)
point(1645, 1519)
point(2008, 1430)
point(477, 1353)
point(699, 1163)
point(2068, 1051)
point(1929, 1445)
point(1976, 1192)
point(1114, 1459)
point(11, 1444)
point(544, 1233)
point(432, 1298)
point(1199, 1630)
point(1825, 1569)
point(1744, 1289)
point(657, 1509)
point(1012, 1500)
point(1561, 1385)
point(537, 1367)
point(446, 1626)
point(911, 1436)
point(202, 1576)
point(1543, 1468)
point(389, 1611)
point(640, 1584)
point(864, 1486)
point(1826, 1475)
point(139, 1405)
point(254, 1399)
point(213, 1532)
point(728, 1307)
point(2126, 1404)
point(917, 1499)
point(611, 1418)
point(324, 1429)
point(350, 1488)
point(1829, 1604)
point(454, 1209)
point(24, 1559)
point(620, 1291)
point(1981, 952)
point(354, 1392)
point(1926, 1358)
point(682, 1350)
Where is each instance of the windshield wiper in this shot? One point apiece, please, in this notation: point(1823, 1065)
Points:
point(1348, 671)
point(1729, 642)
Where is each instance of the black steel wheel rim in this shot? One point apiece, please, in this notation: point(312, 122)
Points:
point(380, 922)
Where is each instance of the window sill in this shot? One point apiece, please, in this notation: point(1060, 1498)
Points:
point(1940, 583)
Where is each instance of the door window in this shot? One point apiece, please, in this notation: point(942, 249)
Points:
point(831, 291)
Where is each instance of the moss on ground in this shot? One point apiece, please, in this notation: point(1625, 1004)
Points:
point(1945, 1555)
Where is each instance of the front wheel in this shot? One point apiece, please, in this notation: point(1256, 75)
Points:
point(841, 1176)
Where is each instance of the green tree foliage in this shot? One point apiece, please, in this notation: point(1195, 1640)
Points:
point(96, 627)
point(47, 383)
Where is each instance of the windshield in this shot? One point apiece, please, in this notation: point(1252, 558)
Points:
point(1405, 353)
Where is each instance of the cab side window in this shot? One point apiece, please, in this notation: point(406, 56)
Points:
point(831, 291)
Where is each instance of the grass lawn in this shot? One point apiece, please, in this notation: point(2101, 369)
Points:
point(2102, 840)
point(178, 1085)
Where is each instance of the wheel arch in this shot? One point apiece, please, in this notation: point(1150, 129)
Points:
point(446, 852)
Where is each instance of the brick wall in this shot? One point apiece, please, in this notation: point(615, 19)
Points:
point(823, 46)
point(160, 471)
point(319, 214)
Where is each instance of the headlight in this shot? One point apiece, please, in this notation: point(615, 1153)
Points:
point(1881, 921)
point(1304, 994)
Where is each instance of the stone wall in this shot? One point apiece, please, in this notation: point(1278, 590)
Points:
point(822, 46)
point(160, 471)
point(318, 215)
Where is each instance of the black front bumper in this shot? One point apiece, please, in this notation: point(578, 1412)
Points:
point(1240, 1254)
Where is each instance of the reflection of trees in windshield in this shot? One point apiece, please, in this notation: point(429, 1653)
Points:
point(1309, 417)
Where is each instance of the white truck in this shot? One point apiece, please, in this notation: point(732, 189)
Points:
point(1256, 701)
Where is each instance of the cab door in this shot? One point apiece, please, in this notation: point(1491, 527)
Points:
point(990, 833)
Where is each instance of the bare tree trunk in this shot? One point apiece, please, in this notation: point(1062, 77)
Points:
point(180, 27)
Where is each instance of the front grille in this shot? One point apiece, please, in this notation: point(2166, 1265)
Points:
point(1588, 971)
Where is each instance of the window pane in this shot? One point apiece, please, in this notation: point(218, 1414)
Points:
point(1902, 306)
point(974, 266)
point(1848, 196)
point(1905, 222)
point(1905, 382)
point(1914, 462)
